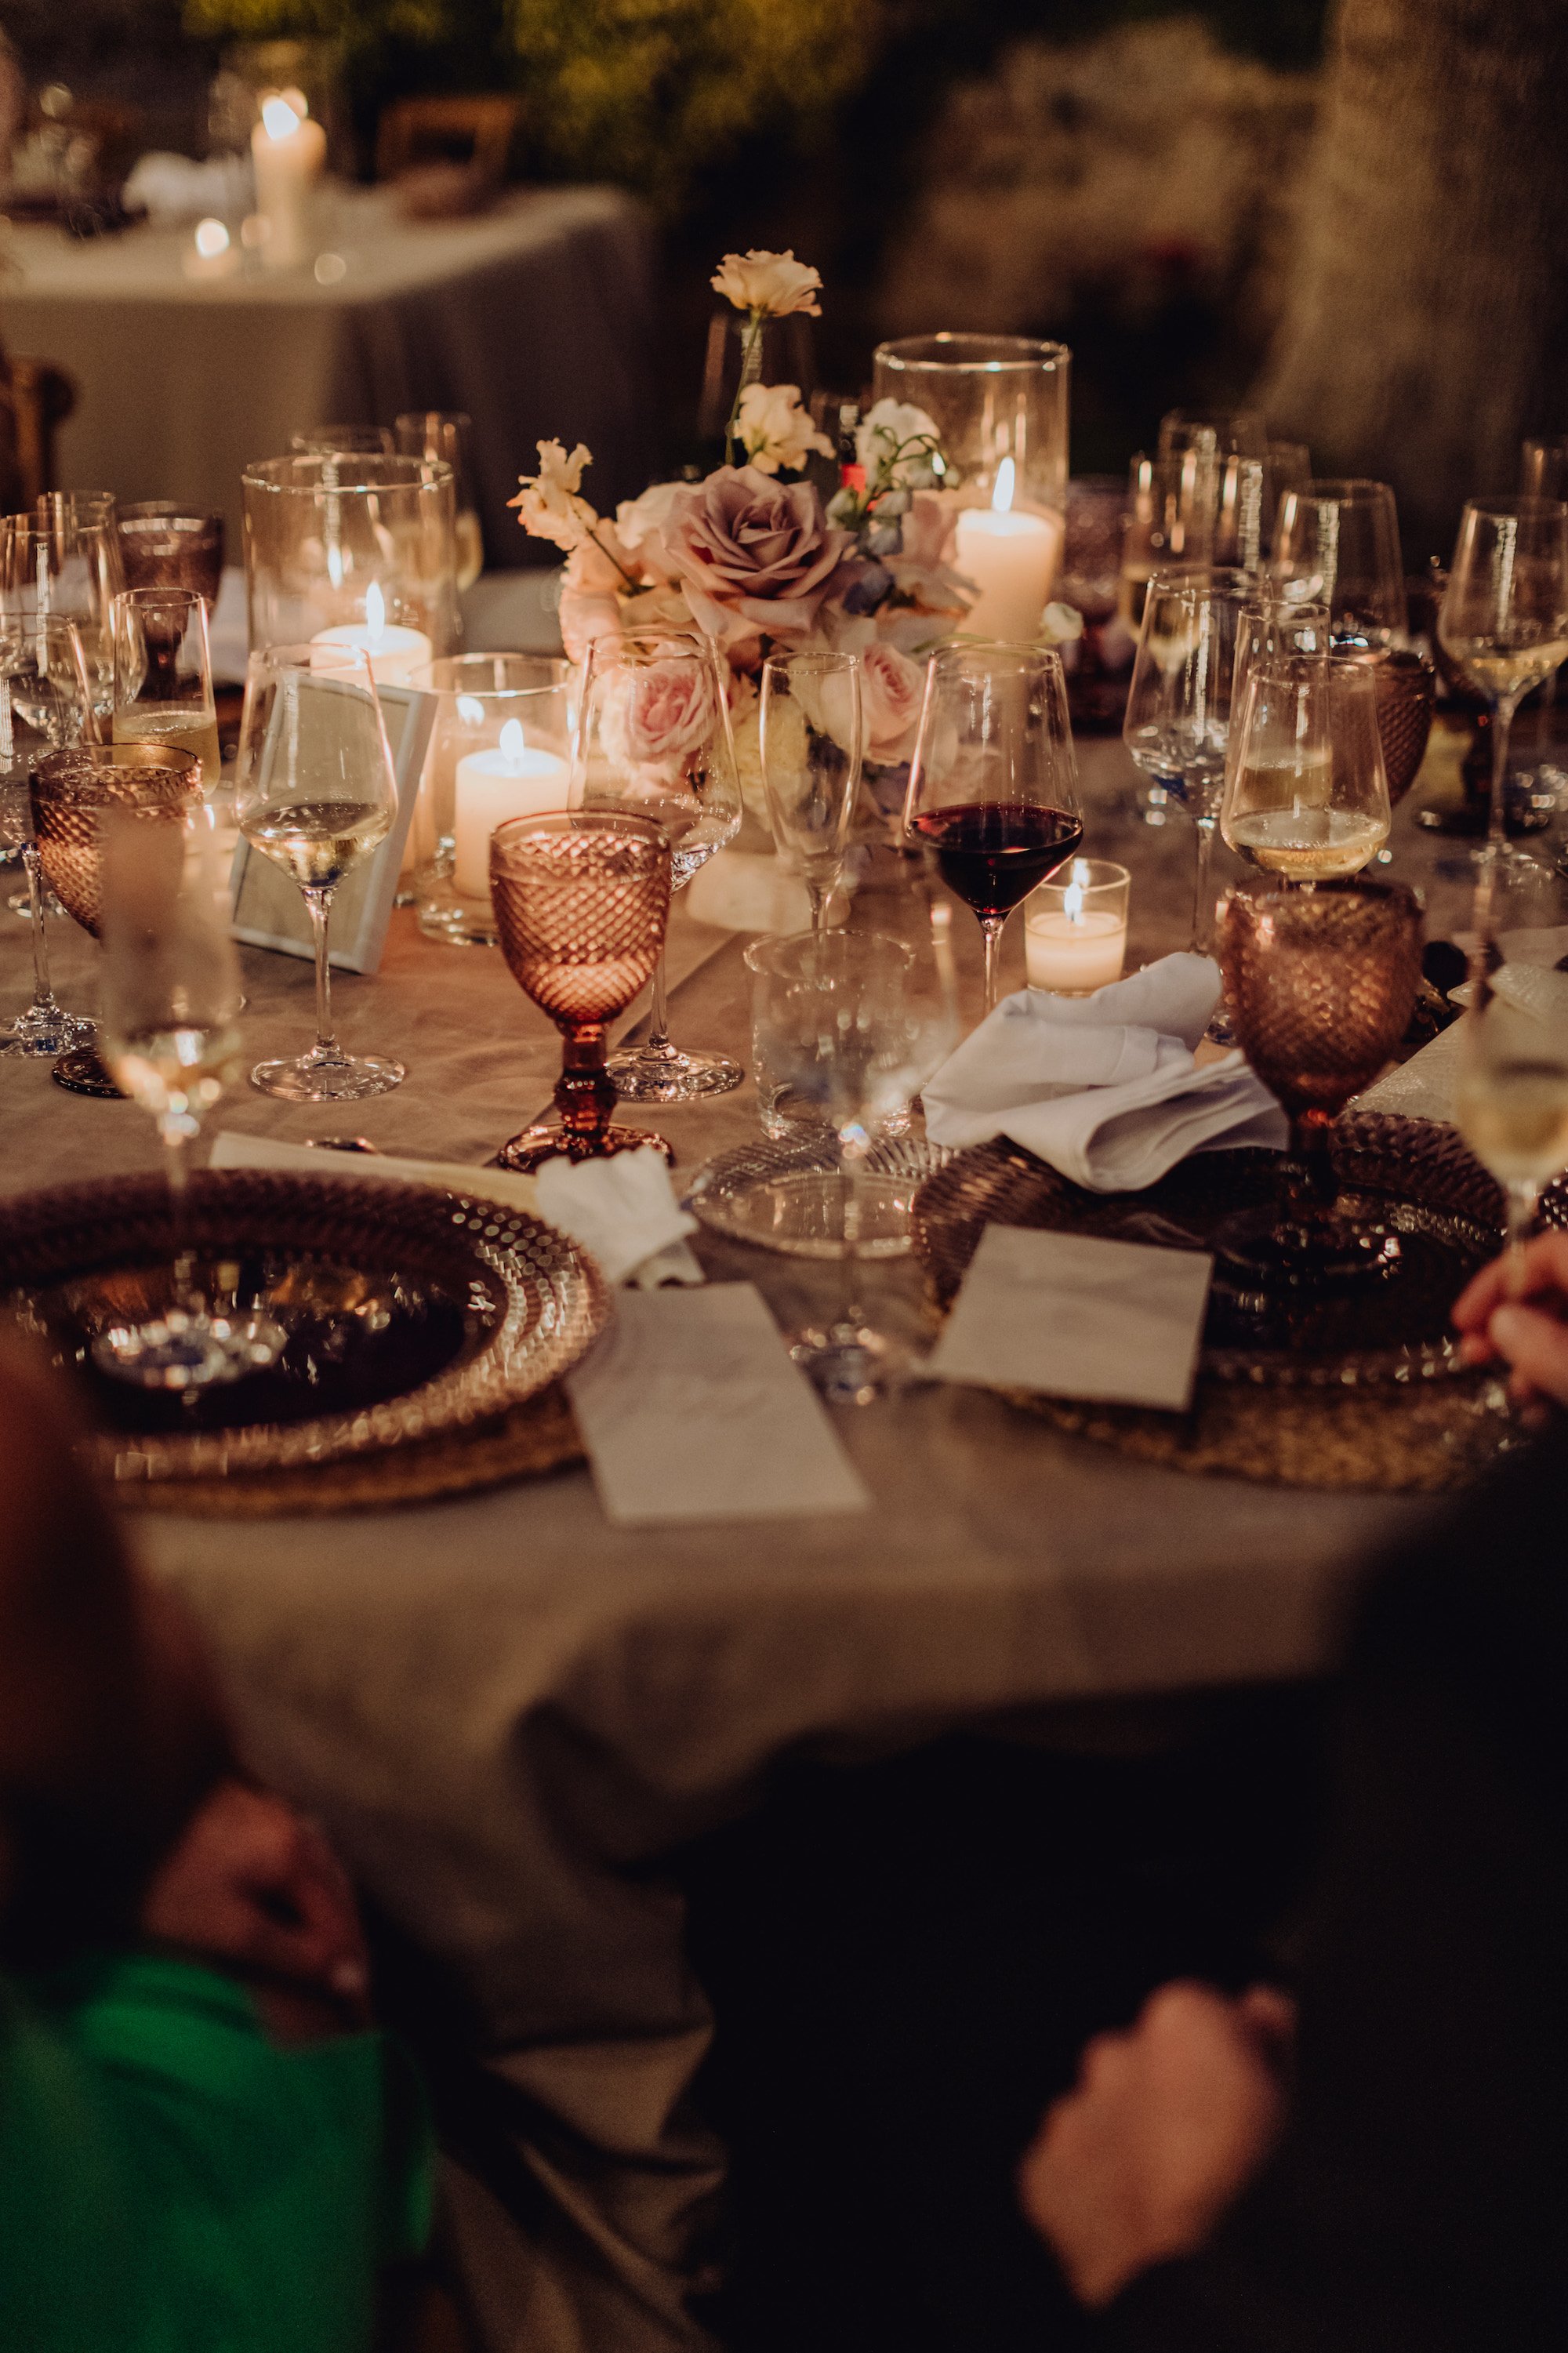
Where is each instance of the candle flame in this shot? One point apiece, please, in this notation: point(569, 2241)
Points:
point(512, 746)
point(1072, 902)
point(375, 610)
point(470, 710)
point(212, 238)
point(278, 116)
point(1002, 496)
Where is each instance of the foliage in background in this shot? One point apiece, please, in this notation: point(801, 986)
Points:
point(356, 24)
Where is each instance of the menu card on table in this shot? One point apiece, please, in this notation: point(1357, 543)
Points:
point(690, 1410)
point(1118, 1322)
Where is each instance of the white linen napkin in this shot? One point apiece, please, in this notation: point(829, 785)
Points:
point(1105, 1088)
point(625, 1211)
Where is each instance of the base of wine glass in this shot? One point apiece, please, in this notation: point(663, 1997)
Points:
point(186, 1348)
point(664, 1074)
point(1221, 1029)
point(44, 1029)
point(328, 1078)
point(20, 903)
point(1278, 1255)
point(83, 1072)
point(1470, 819)
point(535, 1145)
point(851, 1364)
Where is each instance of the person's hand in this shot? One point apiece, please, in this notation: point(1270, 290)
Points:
point(1166, 2125)
point(252, 1887)
point(1519, 1314)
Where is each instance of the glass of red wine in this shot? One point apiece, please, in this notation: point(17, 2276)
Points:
point(993, 782)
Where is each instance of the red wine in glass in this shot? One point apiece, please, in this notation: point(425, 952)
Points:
point(993, 853)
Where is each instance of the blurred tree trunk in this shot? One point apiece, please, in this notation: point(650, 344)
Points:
point(1426, 329)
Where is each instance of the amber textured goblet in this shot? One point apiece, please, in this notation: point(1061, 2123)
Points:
point(71, 792)
point(1321, 982)
point(581, 901)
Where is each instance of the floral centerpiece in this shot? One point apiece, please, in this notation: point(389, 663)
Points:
point(750, 557)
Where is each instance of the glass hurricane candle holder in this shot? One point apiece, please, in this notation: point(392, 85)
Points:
point(349, 549)
point(999, 403)
point(501, 749)
point(1075, 928)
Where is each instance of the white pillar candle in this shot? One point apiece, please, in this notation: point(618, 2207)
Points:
point(1012, 559)
point(1074, 953)
point(395, 654)
point(516, 779)
point(289, 153)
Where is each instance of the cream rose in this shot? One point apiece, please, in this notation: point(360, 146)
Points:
point(892, 687)
point(774, 430)
point(769, 285)
point(548, 503)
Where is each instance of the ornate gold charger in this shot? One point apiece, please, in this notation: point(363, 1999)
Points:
point(1366, 1391)
point(427, 1331)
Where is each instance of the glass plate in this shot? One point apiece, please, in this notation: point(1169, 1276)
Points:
point(788, 1196)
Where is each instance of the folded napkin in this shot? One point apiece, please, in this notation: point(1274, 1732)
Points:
point(1105, 1088)
point(625, 1211)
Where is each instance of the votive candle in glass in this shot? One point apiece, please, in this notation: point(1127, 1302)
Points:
point(1075, 928)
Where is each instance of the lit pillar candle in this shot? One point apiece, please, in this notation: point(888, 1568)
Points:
point(516, 779)
point(1074, 929)
point(289, 151)
point(394, 653)
point(1012, 559)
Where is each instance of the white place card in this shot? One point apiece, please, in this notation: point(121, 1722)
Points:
point(1118, 1322)
point(690, 1410)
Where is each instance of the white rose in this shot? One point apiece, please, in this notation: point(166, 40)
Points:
point(883, 432)
point(773, 284)
point(775, 432)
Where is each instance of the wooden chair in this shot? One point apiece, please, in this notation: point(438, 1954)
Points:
point(35, 401)
point(476, 133)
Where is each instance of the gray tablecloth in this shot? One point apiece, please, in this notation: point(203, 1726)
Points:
point(505, 1709)
point(536, 319)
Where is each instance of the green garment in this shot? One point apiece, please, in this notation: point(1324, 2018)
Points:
point(173, 2182)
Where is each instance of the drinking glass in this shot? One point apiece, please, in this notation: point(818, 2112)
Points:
point(1170, 522)
point(993, 782)
point(581, 898)
point(811, 748)
point(163, 674)
point(1288, 466)
point(653, 737)
point(1510, 1105)
point(1544, 466)
point(1336, 542)
point(45, 1028)
point(315, 792)
point(343, 441)
point(449, 435)
point(1321, 984)
point(1219, 432)
point(1543, 474)
point(1180, 701)
point(165, 545)
point(857, 1023)
point(59, 510)
point(171, 1038)
point(73, 793)
point(68, 571)
point(1306, 787)
point(1503, 623)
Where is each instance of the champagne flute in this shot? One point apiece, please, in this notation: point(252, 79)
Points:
point(1337, 543)
point(171, 1037)
point(1503, 623)
point(1180, 700)
point(163, 676)
point(1170, 522)
point(1222, 432)
point(316, 793)
point(1234, 441)
point(811, 748)
point(993, 781)
point(447, 435)
point(1289, 466)
point(1510, 1105)
point(1305, 790)
point(653, 737)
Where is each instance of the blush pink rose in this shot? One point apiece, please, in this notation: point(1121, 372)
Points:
point(658, 714)
point(891, 686)
point(585, 616)
point(755, 555)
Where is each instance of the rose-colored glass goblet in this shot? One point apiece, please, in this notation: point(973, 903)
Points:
point(71, 790)
point(1320, 983)
point(580, 901)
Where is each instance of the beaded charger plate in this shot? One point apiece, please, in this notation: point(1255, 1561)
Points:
point(425, 1331)
point(1364, 1390)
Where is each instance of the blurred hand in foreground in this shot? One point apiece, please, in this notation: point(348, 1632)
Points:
point(1518, 1317)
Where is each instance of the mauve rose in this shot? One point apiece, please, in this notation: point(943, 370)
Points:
point(755, 555)
point(891, 686)
point(658, 713)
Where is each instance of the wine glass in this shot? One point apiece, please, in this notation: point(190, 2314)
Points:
point(1321, 984)
point(581, 898)
point(315, 792)
point(1510, 1105)
point(73, 791)
point(66, 570)
point(1337, 543)
point(1170, 522)
point(447, 435)
point(171, 1038)
point(163, 674)
point(1543, 466)
point(45, 1028)
point(653, 737)
point(856, 1022)
point(1288, 466)
point(1503, 623)
point(993, 782)
point(811, 748)
point(1221, 432)
point(1543, 474)
point(343, 441)
point(1306, 788)
point(165, 545)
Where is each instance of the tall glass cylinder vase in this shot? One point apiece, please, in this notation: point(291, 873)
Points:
point(501, 749)
point(353, 550)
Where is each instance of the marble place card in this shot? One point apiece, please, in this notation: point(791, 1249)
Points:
point(690, 1410)
point(1118, 1322)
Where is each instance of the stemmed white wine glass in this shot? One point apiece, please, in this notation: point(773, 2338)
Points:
point(1306, 789)
point(316, 793)
point(163, 675)
point(653, 737)
point(1510, 1105)
point(1336, 542)
point(1503, 623)
point(59, 696)
point(811, 747)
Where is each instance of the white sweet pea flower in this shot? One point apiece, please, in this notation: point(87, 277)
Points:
point(774, 430)
point(548, 503)
point(769, 285)
point(894, 442)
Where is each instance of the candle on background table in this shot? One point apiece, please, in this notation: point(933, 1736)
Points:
point(212, 252)
point(289, 153)
point(1011, 558)
point(394, 653)
point(1075, 928)
point(514, 779)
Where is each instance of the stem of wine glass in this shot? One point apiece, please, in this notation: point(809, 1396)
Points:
point(319, 904)
point(174, 1133)
point(819, 905)
point(585, 1095)
point(991, 928)
point(1522, 1194)
point(42, 992)
point(659, 1013)
point(1202, 888)
point(1503, 709)
point(851, 1317)
point(1311, 1184)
